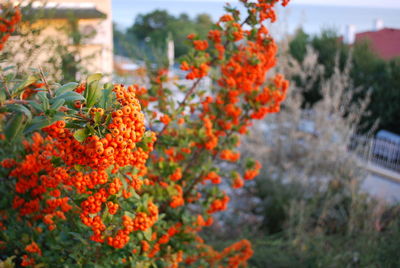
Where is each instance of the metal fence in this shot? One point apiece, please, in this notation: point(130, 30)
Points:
point(381, 152)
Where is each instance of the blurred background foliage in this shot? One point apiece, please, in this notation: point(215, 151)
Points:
point(151, 30)
point(380, 76)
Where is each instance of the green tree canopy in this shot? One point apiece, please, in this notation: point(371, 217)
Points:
point(152, 29)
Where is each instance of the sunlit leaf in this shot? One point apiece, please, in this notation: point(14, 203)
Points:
point(81, 134)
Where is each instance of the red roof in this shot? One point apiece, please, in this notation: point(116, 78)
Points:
point(385, 42)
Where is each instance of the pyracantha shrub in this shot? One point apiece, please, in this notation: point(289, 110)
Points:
point(100, 174)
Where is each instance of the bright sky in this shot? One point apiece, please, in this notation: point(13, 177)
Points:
point(370, 3)
point(364, 3)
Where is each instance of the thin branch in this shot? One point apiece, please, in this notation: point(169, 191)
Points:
point(45, 81)
point(182, 103)
point(14, 101)
point(5, 85)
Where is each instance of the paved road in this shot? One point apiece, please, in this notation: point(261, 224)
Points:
point(381, 187)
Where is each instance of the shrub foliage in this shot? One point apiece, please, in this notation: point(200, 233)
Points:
point(98, 174)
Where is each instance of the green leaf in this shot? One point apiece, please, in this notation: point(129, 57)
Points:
point(147, 234)
point(23, 84)
point(37, 106)
point(107, 217)
point(76, 124)
point(57, 104)
point(106, 96)
point(108, 119)
point(124, 183)
point(8, 68)
point(93, 77)
point(140, 236)
point(14, 126)
point(70, 97)
point(108, 86)
point(93, 90)
point(79, 237)
point(3, 96)
point(91, 130)
point(135, 195)
point(93, 94)
point(21, 109)
point(44, 100)
point(65, 88)
point(97, 118)
point(56, 161)
point(81, 134)
point(38, 123)
point(79, 167)
point(129, 214)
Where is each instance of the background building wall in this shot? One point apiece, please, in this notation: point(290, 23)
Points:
point(98, 50)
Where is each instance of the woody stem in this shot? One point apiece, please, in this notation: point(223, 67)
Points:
point(183, 102)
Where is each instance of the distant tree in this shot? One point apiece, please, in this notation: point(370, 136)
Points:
point(298, 45)
point(152, 29)
point(368, 71)
point(151, 25)
point(120, 41)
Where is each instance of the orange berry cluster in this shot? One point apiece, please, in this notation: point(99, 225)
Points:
point(165, 119)
point(200, 44)
point(212, 139)
point(219, 205)
point(80, 88)
point(242, 83)
point(237, 181)
point(200, 68)
point(116, 148)
point(164, 239)
point(233, 256)
point(213, 177)
point(27, 261)
point(177, 175)
point(33, 248)
point(8, 163)
point(9, 17)
point(243, 252)
point(177, 200)
point(266, 10)
point(31, 90)
point(69, 165)
point(252, 173)
point(195, 72)
point(39, 158)
point(229, 155)
point(142, 221)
